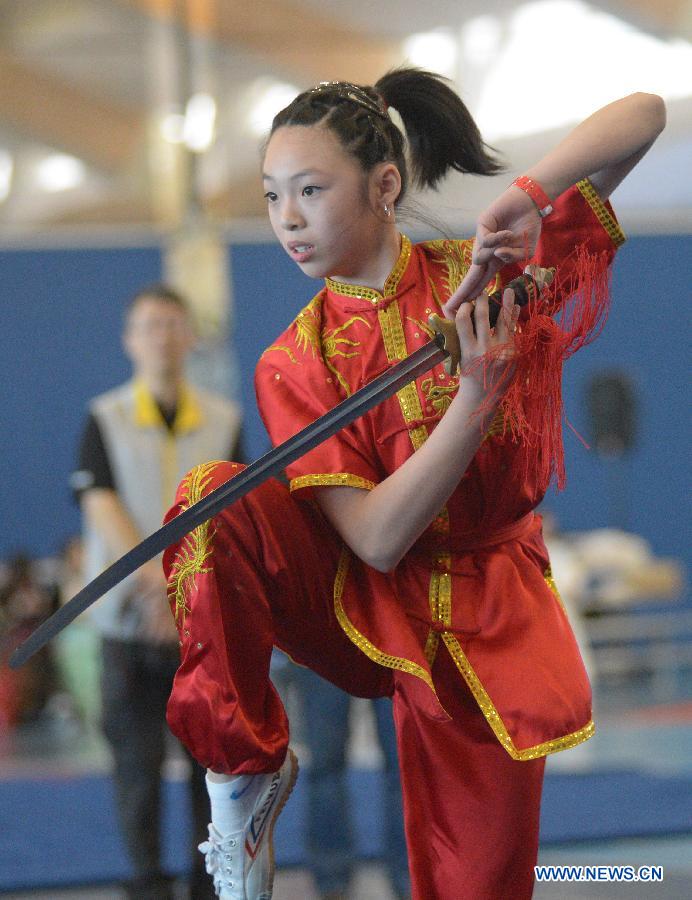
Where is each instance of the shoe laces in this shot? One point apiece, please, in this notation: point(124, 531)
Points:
point(222, 861)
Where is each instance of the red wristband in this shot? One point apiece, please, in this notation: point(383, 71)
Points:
point(544, 204)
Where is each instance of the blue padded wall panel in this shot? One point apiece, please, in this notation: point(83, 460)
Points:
point(61, 324)
point(269, 291)
point(646, 336)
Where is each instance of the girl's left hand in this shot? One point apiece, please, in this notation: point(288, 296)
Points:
point(507, 231)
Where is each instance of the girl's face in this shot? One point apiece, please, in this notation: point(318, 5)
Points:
point(321, 203)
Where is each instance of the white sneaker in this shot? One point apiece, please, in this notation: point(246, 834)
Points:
point(242, 862)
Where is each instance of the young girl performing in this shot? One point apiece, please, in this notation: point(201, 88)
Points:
point(407, 560)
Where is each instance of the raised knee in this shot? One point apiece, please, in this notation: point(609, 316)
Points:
point(200, 481)
point(206, 477)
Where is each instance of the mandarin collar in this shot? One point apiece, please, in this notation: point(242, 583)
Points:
point(370, 295)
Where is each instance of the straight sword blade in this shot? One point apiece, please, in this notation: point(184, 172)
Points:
point(272, 463)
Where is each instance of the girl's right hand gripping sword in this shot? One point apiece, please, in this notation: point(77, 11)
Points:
point(527, 288)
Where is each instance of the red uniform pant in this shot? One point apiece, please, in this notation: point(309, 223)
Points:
point(262, 573)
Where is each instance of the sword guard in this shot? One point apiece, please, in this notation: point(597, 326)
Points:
point(448, 339)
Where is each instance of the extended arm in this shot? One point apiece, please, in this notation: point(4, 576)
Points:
point(605, 147)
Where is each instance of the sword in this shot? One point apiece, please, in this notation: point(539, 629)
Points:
point(443, 346)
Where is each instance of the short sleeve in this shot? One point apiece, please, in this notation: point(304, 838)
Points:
point(580, 221)
point(293, 393)
point(237, 449)
point(94, 468)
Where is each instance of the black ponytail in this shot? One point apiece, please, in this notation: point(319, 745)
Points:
point(440, 130)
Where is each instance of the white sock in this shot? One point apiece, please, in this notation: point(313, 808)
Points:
point(228, 812)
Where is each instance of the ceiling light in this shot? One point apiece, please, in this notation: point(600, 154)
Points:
point(480, 39)
point(636, 62)
point(171, 127)
point(435, 51)
point(6, 168)
point(266, 100)
point(60, 172)
point(199, 127)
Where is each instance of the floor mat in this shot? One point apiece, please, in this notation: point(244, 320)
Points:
point(59, 832)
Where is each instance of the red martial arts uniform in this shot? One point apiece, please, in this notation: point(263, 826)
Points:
point(467, 633)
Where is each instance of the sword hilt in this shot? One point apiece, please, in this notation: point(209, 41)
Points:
point(447, 330)
point(527, 287)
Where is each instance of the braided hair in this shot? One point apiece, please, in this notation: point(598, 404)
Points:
point(440, 131)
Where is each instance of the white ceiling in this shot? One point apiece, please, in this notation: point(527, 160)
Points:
point(92, 78)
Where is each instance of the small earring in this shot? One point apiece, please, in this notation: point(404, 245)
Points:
point(387, 210)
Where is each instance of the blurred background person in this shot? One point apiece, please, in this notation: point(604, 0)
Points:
point(24, 603)
point(138, 441)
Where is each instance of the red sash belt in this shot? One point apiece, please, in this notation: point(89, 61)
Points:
point(468, 541)
point(423, 556)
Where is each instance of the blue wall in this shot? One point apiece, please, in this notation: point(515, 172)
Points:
point(269, 290)
point(647, 335)
point(61, 322)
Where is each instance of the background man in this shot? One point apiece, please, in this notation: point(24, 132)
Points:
point(138, 442)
